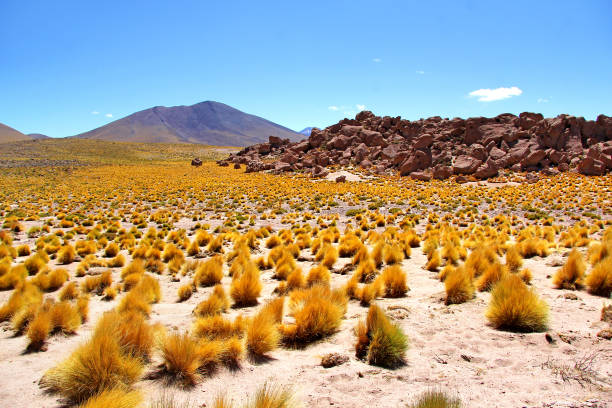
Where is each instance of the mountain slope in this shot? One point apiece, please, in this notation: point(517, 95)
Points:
point(8, 134)
point(209, 122)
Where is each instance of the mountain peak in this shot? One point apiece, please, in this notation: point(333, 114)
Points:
point(207, 122)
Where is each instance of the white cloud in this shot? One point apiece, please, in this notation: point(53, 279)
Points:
point(109, 115)
point(377, 60)
point(360, 107)
point(420, 72)
point(333, 108)
point(497, 94)
point(543, 100)
point(95, 113)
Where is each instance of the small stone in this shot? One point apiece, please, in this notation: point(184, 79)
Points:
point(605, 334)
point(333, 359)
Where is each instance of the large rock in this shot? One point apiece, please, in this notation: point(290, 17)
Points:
point(496, 153)
point(289, 157)
point(360, 153)
point(390, 152)
point(478, 151)
point(442, 172)
point(486, 170)
point(338, 142)
point(421, 175)
point(348, 130)
point(517, 154)
point(423, 141)
point(319, 171)
point(472, 130)
point(276, 141)
point(591, 167)
point(417, 161)
point(549, 133)
point(465, 164)
point(264, 148)
point(528, 119)
point(372, 138)
point(316, 138)
point(533, 158)
point(280, 167)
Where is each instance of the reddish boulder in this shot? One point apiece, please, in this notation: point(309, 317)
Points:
point(574, 146)
point(316, 138)
point(423, 141)
point(348, 130)
point(322, 159)
point(364, 115)
point(472, 130)
point(442, 172)
point(365, 164)
point(528, 119)
point(264, 148)
point(421, 175)
point(533, 158)
point(372, 138)
point(478, 151)
point(308, 162)
point(340, 179)
point(549, 132)
point(254, 166)
point(280, 167)
point(338, 142)
point(465, 164)
point(486, 170)
point(597, 152)
point(417, 161)
point(289, 157)
point(275, 141)
point(302, 146)
point(390, 152)
point(517, 154)
point(496, 153)
point(360, 153)
point(319, 171)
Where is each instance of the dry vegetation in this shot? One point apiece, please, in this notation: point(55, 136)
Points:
point(140, 273)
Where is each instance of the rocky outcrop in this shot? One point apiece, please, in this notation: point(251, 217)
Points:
point(438, 148)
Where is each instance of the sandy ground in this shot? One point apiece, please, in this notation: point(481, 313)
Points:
point(349, 176)
point(451, 347)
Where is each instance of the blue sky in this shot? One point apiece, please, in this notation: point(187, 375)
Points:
point(68, 66)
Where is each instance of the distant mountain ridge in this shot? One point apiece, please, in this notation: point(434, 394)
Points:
point(209, 122)
point(306, 131)
point(37, 136)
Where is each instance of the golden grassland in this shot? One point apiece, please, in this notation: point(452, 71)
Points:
point(87, 152)
point(118, 228)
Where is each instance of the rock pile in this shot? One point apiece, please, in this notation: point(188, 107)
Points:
point(439, 148)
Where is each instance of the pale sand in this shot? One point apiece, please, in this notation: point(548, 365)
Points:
point(504, 369)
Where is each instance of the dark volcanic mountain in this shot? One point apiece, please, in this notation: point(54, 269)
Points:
point(209, 122)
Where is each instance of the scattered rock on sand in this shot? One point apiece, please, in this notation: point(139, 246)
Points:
point(333, 359)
